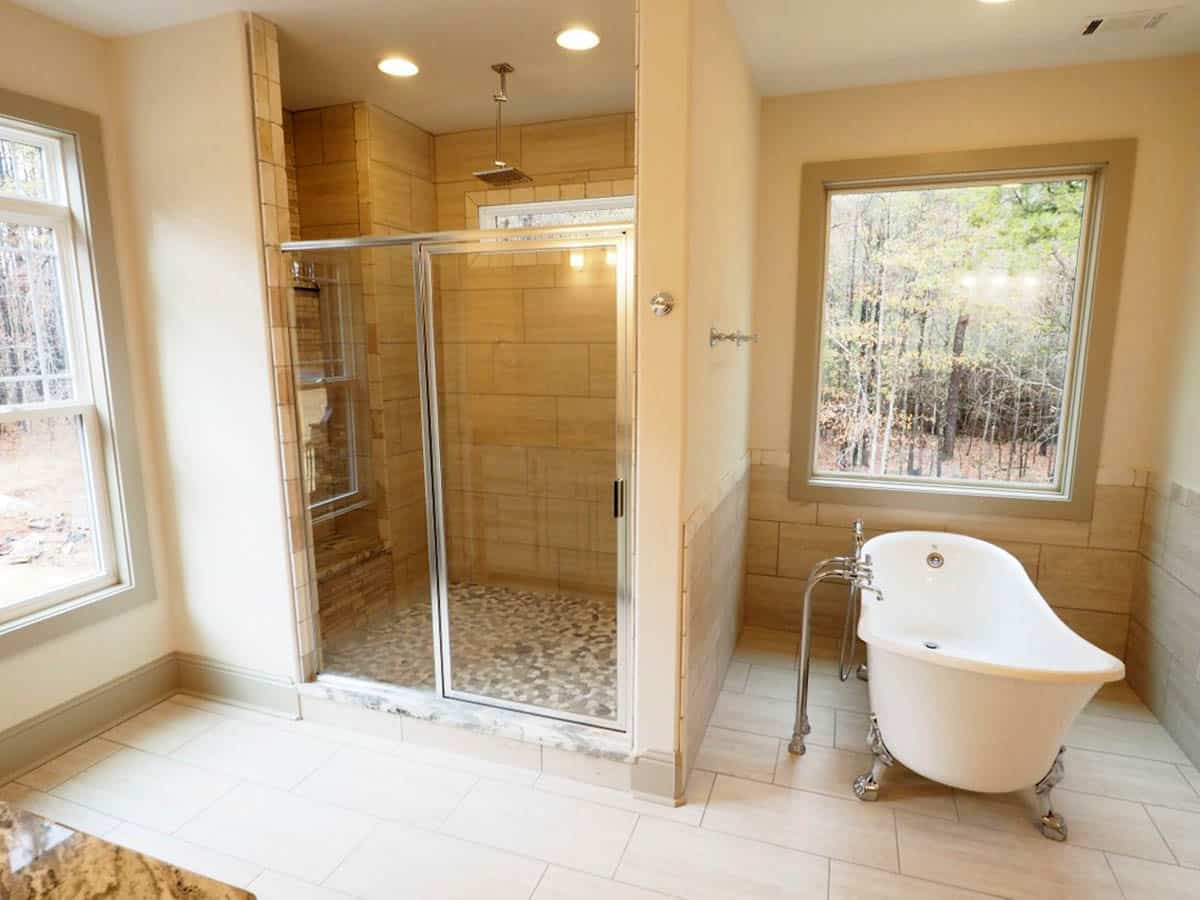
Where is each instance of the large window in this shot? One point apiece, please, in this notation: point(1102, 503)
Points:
point(56, 511)
point(955, 320)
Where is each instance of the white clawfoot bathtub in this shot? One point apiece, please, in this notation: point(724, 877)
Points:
point(973, 680)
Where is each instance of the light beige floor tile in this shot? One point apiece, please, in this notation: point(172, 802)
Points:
point(259, 753)
point(561, 830)
point(1101, 823)
point(998, 862)
point(383, 786)
point(735, 677)
point(830, 771)
point(163, 728)
point(697, 864)
point(186, 855)
point(1147, 740)
point(844, 829)
point(462, 742)
point(763, 647)
point(1128, 778)
point(50, 775)
point(1142, 880)
point(229, 711)
point(738, 753)
point(824, 687)
point(274, 886)
point(564, 884)
point(850, 882)
point(1118, 699)
point(56, 809)
point(279, 831)
point(850, 731)
point(1192, 774)
point(773, 718)
point(462, 762)
point(398, 863)
point(695, 797)
point(155, 791)
point(1182, 833)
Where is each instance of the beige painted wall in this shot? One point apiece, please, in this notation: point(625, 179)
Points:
point(722, 182)
point(1148, 100)
point(199, 273)
point(723, 133)
point(108, 640)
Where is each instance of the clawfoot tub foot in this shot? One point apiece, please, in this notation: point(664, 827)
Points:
point(866, 786)
point(1052, 824)
point(796, 744)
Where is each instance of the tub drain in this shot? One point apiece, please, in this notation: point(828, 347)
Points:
point(931, 645)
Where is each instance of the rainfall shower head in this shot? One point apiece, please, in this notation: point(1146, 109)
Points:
point(502, 175)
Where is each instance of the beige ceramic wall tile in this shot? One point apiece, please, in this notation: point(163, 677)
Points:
point(602, 370)
point(587, 571)
point(1108, 631)
point(586, 423)
point(762, 547)
point(328, 194)
point(1117, 517)
point(587, 315)
point(1086, 578)
point(879, 518)
point(571, 474)
point(1012, 528)
point(494, 315)
point(769, 500)
point(400, 144)
point(803, 546)
point(391, 197)
point(459, 155)
point(596, 143)
point(506, 420)
point(547, 369)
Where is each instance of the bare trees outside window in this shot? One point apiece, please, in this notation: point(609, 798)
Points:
point(948, 323)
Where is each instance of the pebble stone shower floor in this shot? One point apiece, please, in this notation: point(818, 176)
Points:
point(301, 810)
point(551, 650)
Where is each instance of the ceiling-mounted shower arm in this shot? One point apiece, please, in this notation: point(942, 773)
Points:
point(500, 97)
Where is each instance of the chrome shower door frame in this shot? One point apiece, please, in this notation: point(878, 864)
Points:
point(619, 239)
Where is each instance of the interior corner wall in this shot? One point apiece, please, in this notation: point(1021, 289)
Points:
point(661, 135)
point(54, 62)
point(1162, 656)
point(722, 198)
point(188, 145)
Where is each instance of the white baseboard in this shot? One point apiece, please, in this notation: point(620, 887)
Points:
point(28, 744)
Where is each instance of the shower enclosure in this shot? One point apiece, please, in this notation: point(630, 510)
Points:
point(467, 451)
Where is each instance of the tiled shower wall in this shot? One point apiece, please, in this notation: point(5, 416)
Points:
point(1085, 570)
point(363, 171)
point(526, 358)
point(1163, 658)
point(714, 558)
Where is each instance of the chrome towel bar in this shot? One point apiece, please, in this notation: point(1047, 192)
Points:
point(736, 337)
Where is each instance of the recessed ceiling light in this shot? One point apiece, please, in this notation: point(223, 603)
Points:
point(398, 67)
point(577, 39)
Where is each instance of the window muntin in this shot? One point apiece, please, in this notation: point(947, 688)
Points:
point(56, 512)
point(547, 213)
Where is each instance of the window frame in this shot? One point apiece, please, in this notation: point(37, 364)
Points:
point(1109, 167)
point(489, 214)
point(77, 210)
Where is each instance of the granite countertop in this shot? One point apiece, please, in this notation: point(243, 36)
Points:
point(40, 859)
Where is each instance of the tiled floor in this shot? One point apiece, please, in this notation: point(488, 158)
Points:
point(556, 651)
point(303, 811)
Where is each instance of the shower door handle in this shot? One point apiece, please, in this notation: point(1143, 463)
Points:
point(618, 498)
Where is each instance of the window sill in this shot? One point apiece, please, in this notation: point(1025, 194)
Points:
point(63, 607)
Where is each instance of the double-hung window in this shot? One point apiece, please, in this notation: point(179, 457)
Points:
point(56, 508)
point(956, 318)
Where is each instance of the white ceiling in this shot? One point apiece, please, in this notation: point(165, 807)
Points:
point(329, 50)
point(809, 45)
point(330, 47)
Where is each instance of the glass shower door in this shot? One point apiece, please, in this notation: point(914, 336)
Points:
point(525, 349)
